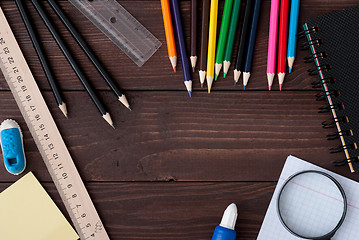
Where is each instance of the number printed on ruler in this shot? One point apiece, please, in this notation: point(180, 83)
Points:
point(47, 137)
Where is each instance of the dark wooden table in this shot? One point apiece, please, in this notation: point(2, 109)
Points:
point(174, 163)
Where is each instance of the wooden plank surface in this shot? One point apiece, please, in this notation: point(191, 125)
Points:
point(174, 163)
point(166, 210)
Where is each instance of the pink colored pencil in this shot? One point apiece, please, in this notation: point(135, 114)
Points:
point(272, 42)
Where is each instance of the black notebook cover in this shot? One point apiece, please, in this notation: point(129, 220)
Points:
point(334, 44)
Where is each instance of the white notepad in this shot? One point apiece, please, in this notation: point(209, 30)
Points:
point(272, 229)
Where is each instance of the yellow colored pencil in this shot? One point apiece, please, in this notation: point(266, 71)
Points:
point(212, 43)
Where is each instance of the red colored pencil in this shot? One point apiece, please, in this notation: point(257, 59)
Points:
point(282, 42)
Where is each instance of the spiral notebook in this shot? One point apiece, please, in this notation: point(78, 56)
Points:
point(334, 43)
point(272, 228)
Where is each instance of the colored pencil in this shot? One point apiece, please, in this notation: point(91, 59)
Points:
point(89, 53)
point(212, 43)
point(243, 41)
point(170, 38)
point(223, 34)
point(251, 42)
point(282, 42)
point(204, 41)
point(181, 45)
point(292, 37)
point(71, 60)
point(40, 53)
point(272, 42)
point(231, 36)
point(193, 56)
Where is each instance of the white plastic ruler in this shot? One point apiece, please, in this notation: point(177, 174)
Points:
point(47, 137)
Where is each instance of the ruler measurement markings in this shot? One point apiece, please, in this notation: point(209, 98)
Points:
point(36, 114)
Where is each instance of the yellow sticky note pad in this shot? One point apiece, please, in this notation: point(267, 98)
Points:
point(27, 212)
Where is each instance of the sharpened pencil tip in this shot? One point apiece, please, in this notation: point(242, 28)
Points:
point(209, 90)
point(244, 87)
point(130, 109)
point(108, 119)
point(201, 85)
point(280, 87)
point(215, 77)
point(174, 69)
point(113, 126)
point(290, 69)
point(63, 109)
point(269, 87)
point(235, 83)
point(190, 93)
point(224, 75)
point(193, 69)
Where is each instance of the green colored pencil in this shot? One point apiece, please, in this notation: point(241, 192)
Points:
point(231, 36)
point(222, 40)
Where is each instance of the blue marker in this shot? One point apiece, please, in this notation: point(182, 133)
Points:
point(292, 37)
point(225, 230)
point(12, 147)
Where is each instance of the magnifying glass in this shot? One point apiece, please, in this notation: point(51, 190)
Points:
point(312, 205)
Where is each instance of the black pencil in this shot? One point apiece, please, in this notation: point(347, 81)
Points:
point(193, 31)
point(40, 53)
point(90, 54)
point(204, 41)
point(243, 41)
point(72, 62)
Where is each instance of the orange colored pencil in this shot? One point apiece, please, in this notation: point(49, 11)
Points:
point(171, 44)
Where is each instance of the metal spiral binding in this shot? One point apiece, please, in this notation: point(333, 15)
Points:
point(310, 30)
point(336, 135)
point(341, 148)
point(307, 44)
point(322, 95)
point(311, 58)
point(318, 83)
point(332, 123)
point(339, 163)
point(333, 93)
point(315, 70)
point(336, 107)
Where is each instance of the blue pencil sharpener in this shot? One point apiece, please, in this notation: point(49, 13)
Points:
point(12, 147)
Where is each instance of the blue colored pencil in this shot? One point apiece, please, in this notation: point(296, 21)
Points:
point(181, 45)
point(251, 42)
point(292, 37)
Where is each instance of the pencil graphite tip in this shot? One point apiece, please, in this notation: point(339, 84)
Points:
point(280, 87)
point(173, 62)
point(269, 87)
point(188, 85)
point(193, 69)
point(226, 65)
point(235, 83)
point(215, 77)
point(113, 126)
point(290, 63)
point(63, 109)
point(209, 90)
point(124, 101)
point(201, 85)
point(244, 87)
point(108, 119)
point(224, 75)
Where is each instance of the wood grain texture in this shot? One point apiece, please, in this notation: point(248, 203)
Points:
point(174, 163)
point(174, 210)
point(227, 136)
point(156, 74)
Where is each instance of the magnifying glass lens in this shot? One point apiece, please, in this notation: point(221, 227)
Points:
point(311, 205)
